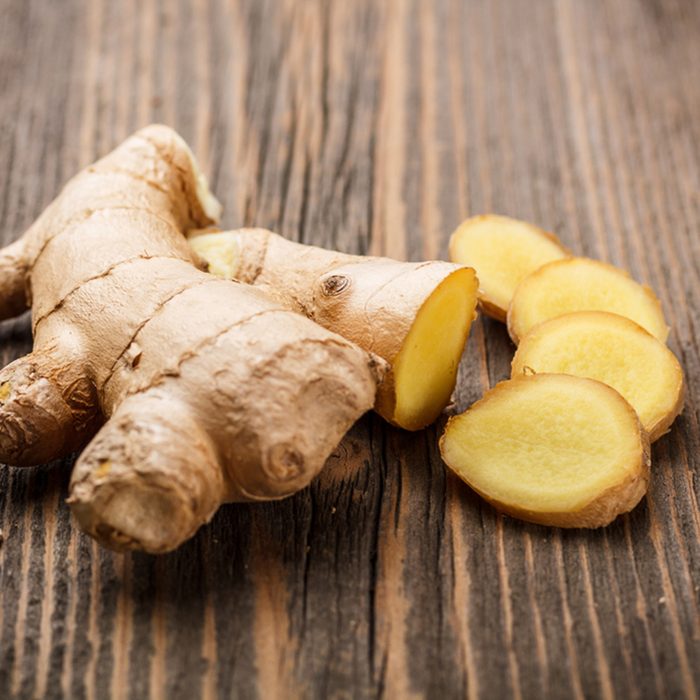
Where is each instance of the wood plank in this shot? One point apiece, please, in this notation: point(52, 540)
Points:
point(372, 127)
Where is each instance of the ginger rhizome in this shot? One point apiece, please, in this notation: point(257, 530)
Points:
point(552, 449)
point(206, 390)
point(503, 251)
point(414, 315)
point(615, 351)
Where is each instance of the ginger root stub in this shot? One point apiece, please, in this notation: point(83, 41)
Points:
point(207, 390)
point(551, 449)
point(416, 316)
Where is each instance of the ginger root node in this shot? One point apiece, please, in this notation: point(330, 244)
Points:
point(335, 284)
point(285, 462)
point(103, 468)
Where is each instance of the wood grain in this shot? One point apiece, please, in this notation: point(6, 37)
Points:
point(373, 127)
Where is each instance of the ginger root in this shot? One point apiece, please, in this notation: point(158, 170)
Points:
point(582, 284)
point(503, 251)
point(207, 390)
point(414, 315)
point(615, 351)
point(552, 449)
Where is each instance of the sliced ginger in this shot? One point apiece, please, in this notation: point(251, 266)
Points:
point(551, 449)
point(615, 351)
point(581, 284)
point(502, 251)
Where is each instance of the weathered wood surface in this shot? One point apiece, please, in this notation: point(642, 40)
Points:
point(373, 126)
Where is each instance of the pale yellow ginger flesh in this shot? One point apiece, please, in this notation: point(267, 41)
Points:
point(425, 370)
point(581, 284)
point(551, 449)
point(416, 316)
point(502, 251)
point(219, 249)
point(615, 351)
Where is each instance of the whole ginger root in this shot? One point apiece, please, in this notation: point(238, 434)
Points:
point(188, 390)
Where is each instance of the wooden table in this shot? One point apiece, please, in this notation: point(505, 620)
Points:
point(373, 126)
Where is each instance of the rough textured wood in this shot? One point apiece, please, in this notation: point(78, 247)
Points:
point(373, 126)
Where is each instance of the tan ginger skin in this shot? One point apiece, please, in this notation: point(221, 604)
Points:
point(207, 390)
point(373, 301)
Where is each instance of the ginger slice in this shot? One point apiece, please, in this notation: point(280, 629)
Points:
point(615, 351)
point(551, 449)
point(582, 284)
point(502, 251)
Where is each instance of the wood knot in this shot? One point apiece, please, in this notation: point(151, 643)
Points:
point(335, 284)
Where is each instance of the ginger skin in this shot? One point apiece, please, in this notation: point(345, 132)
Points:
point(416, 316)
point(206, 390)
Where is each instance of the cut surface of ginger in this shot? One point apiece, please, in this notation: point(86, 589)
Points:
point(615, 351)
point(582, 284)
point(219, 250)
point(551, 449)
point(502, 251)
point(425, 369)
